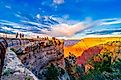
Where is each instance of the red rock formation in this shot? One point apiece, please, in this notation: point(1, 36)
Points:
point(88, 54)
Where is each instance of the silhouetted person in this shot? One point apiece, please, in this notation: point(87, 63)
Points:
point(20, 35)
point(23, 35)
point(37, 36)
point(17, 35)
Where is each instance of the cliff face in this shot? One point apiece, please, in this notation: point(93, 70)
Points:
point(40, 58)
point(113, 47)
point(13, 69)
point(35, 55)
point(87, 54)
point(3, 46)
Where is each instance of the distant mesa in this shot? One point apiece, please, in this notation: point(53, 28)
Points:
point(70, 42)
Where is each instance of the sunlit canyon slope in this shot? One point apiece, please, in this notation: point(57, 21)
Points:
point(79, 47)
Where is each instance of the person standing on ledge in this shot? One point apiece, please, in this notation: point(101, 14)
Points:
point(17, 35)
point(20, 35)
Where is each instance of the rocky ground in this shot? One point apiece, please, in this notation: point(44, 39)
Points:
point(13, 68)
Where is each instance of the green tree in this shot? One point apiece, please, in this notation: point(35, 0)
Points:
point(52, 73)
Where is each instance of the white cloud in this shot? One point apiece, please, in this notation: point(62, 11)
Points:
point(17, 15)
point(65, 20)
point(6, 28)
point(116, 33)
point(109, 21)
point(38, 16)
point(58, 1)
point(13, 24)
point(66, 16)
point(9, 7)
point(34, 23)
point(65, 30)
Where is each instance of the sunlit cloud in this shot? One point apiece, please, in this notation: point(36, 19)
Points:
point(64, 30)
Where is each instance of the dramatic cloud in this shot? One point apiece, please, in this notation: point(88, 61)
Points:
point(62, 30)
point(65, 30)
point(110, 21)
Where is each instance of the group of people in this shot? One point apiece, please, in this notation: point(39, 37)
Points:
point(21, 35)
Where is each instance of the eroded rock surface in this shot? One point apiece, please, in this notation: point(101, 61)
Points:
point(13, 68)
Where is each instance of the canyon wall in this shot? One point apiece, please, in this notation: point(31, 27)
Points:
point(34, 54)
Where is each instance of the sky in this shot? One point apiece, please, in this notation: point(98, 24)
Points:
point(61, 18)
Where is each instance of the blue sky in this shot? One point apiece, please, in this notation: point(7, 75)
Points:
point(61, 18)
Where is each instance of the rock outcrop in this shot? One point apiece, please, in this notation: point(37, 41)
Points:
point(13, 69)
point(40, 58)
point(28, 58)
